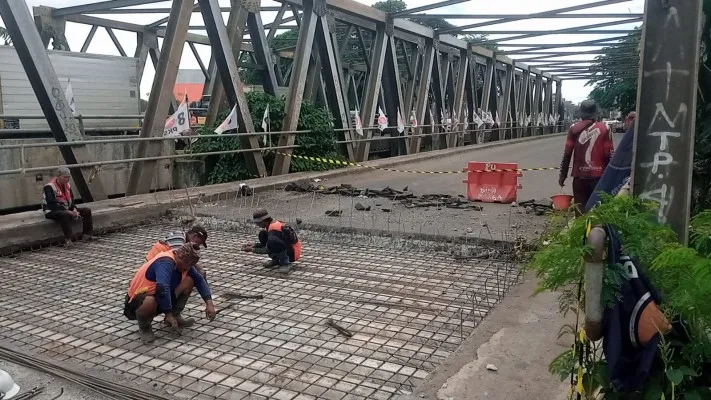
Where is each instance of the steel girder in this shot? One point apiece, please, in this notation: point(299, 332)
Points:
point(225, 60)
point(50, 95)
point(142, 172)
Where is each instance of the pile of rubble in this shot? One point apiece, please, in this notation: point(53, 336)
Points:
point(406, 198)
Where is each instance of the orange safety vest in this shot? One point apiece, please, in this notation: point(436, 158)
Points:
point(277, 226)
point(140, 284)
point(63, 197)
point(158, 247)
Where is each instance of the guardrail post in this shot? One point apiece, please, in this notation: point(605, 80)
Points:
point(40, 72)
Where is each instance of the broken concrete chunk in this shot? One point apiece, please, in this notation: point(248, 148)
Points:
point(491, 367)
point(385, 210)
point(334, 213)
point(359, 207)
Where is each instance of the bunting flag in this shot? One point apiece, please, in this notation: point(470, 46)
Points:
point(230, 123)
point(70, 98)
point(478, 121)
point(528, 120)
point(179, 122)
point(382, 120)
point(400, 122)
point(497, 120)
point(466, 119)
point(265, 119)
point(413, 119)
point(551, 121)
point(455, 120)
point(432, 120)
point(358, 123)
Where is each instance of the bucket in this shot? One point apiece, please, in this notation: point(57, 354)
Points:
point(562, 201)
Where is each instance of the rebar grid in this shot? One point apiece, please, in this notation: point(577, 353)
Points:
point(409, 311)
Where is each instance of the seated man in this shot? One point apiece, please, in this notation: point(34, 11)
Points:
point(276, 239)
point(197, 235)
point(58, 204)
point(163, 285)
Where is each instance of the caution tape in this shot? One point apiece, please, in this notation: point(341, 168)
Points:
point(352, 164)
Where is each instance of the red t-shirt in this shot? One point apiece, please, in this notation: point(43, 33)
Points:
point(590, 146)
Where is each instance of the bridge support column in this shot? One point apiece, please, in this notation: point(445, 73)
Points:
point(666, 109)
point(229, 75)
point(161, 95)
point(50, 95)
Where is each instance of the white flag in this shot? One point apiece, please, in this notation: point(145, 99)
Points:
point(178, 122)
point(478, 121)
point(497, 120)
point(382, 120)
point(70, 98)
point(413, 119)
point(455, 120)
point(400, 122)
point(466, 119)
point(550, 119)
point(358, 123)
point(265, 119)
point(230, 123)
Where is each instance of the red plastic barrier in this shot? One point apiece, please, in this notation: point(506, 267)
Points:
point(490, 183)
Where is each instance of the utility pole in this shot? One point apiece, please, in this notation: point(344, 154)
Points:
point(666, 109)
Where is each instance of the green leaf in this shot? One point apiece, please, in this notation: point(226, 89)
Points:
point(688, 371)
point(692, 395)
point(675, 376)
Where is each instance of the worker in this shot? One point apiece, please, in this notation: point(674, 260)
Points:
point(276, 239)
point(590, 146)
point(197, 235)
point(163, 285)
point(58, 205)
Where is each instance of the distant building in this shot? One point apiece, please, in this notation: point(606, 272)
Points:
point(189, 82)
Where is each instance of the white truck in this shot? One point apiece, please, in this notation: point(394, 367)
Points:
point(102, 85)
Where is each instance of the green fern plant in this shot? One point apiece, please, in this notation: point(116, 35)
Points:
point(681, 273)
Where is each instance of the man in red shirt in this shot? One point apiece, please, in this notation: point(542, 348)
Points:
point(590, 146)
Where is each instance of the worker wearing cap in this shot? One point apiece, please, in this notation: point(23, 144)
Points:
point(58, 205)
point(197, 235)
point(590, 147)
point(276, 239)
point(163, 285)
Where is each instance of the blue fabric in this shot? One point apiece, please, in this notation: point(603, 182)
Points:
point(617, 172)
point(628, 364)
point(164, 273)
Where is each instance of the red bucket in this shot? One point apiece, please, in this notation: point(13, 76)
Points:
point(562, 201)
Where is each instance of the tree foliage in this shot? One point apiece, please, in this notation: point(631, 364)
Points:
point(613, 88)
point(681, 273)
point(319, 141)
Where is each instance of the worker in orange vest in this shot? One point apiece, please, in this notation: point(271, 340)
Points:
point(163, 285)
point(58, 204)
point(276, 239)
point(197, 235)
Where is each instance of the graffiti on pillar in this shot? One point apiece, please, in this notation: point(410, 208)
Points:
point(61, 107)
point(666, 135)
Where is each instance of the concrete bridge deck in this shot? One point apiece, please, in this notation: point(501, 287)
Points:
point(417, 310)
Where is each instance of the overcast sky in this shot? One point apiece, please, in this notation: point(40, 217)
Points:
point(575, 91)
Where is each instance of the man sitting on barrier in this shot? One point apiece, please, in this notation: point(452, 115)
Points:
point(197, 235)
point(163, 285)
point(58, 204)
point(276, 239)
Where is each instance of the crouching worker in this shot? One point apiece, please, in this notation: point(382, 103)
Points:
point(163, 285)
point(197, 235)
point(276, 239)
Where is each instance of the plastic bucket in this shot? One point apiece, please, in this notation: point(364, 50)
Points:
point(562, 201)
